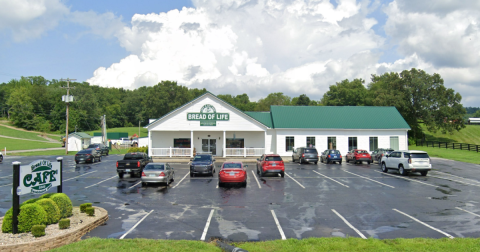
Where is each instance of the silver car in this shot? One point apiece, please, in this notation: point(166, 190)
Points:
point(158, 173)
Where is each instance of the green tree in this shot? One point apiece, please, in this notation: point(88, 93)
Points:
point(272, 99)
point(346, 93)
point(303, 100)
point(477, 114)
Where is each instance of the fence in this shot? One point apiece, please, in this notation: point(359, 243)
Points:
point(448, 145)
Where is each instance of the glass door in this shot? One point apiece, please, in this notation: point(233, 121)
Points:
point(209, 145)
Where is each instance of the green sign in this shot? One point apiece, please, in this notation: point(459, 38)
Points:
point(208, 116)
point(39, 176)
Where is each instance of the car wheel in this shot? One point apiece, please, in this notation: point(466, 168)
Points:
point(220, 184)
point(144, 183)
point(120, 174)
point(100, 159)
point(424, 173)
point(191, 174)
point(261, 172)
point(173, 177)
point(245, 184)
point(384, 168)
point(401, 170)
point(340, 162)
point(368, 162)
point(315, 162)
point(293, 160)
point(107, 153)
point(282, 174)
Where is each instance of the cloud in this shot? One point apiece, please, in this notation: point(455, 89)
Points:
point(106, 25)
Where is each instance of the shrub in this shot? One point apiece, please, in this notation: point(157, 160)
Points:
point(46, 195)
point(64, 204)
point(38, 230)
point(7, 221)
point(51, 208)
point(30, 215)
point(84, 206)
point(30, 201)
point(138, 149)
point(64, 223)
point(90, 211)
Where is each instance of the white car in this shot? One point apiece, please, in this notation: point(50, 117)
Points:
point(406, 161)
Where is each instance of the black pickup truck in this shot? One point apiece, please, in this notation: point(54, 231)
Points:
point(132, 163)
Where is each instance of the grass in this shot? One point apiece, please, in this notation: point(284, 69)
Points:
point(15, 144)
point(60, 153)
point(457, 155)
point(310, 244)
point(5, 131)
point(129, 130)
point(471, 135)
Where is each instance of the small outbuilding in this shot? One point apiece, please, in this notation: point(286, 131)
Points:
point(78, 141)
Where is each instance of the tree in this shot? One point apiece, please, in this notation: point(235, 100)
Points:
point(303, 100)
point(477, 114)
point(272, 99)
point(346, 93)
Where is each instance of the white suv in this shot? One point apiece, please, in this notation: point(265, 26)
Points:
point(406, 161)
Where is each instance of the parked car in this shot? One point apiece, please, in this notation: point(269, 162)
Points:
point(380, 153)
point(158, 173)
point(270, 163)
point(232, 172)
point(132, 163)
point(331, 156)
point(406, 161)
point(100, 147)
point(88, 156)
point(1, 157)
point(202, 164)
point(305, 155)
point(358, 156)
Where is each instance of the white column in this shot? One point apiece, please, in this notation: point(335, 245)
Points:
point(224, 145)
point(265, 142)
point(191, 143)
point(149, 144)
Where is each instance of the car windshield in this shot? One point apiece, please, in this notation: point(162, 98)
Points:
point(133, 156)
point(310, 150)
point(84, 152)
point(333, 152)
point(273, 158)
point(388, 151)
point(419, 155)
point(232, 165)
point(202, 158)
point(362, 152)
point(155, 167)
point(92, 146)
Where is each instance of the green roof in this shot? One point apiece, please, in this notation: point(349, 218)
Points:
point(264, 117)
point(337, 117)
point(80, 135)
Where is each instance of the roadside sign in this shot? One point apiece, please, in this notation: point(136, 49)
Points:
point(38, 177)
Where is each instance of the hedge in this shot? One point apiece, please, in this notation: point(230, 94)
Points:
point(51, 208)
point(64, 223)
point(30, 215)
point(64, 204)
point(84, 206)
point(38, 230)
point(138, 149)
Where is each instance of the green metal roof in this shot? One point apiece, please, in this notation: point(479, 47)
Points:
point(337, 117)
point(263, 117)
point(80, 135)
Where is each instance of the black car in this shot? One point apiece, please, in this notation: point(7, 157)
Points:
point(305, 155)
point(331, 156)
point(380, 153)
point(1, 157)
point(100, 147)
point(202, 164)
point(88, 156)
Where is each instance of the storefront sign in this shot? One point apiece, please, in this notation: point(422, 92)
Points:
point(38, 177)
point(208, 116)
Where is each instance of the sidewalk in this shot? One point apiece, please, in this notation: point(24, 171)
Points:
point(32, 150)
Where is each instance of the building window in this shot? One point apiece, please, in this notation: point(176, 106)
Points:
point(310, 141)
point(373, 143)
point(289, 143)
point(352, 143)
point(235, 143)
point(181, 143)
point(394, 142)
point(332, 143)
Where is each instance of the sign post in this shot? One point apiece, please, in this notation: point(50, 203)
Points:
point(15, 196)
point(60, 177)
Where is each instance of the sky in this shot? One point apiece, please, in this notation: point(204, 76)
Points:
point(241, 46)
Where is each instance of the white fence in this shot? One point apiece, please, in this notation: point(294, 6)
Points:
point(171, 152)
point(244, 152)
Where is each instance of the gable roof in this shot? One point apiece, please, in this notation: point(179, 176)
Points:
point(263, 117)
point(80, 135)
point(337, 117)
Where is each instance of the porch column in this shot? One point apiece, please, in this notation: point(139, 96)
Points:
point(224, 145)
point(265, 143)
point(150, 144)
point(191, 143)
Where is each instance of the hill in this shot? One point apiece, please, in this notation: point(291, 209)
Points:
point(471, 135)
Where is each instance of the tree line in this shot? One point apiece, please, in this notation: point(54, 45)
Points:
point(35, 103)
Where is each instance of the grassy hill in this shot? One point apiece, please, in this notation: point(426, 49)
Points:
point(471, 135)
point(129, 130)
point(16, 144)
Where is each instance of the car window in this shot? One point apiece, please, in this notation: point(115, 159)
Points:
point(310, 151)
point(395, 154)
point(202, 158)
point(362, 152)
point(406, 155)
point(232, 165)
point(159, 167)
point(133, 156)
point(273, 158)
point(419, 155)
point(334, 152)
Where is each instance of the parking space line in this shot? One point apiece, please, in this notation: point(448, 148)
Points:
point(207, 225)
point(467, 211)
point(278, 225)
point(181, 180)
point(295, 180)
point(370, 179)
point(456, 176)
point(350, 225)
point(330, 178)
point(259, 186)
point(79, 176)
point(134, 185)
point(400, 177)
point(101, 181)
point(7, 176)
point(6, 185)
point(454, 180)
point(425, 224)
point(123, 236)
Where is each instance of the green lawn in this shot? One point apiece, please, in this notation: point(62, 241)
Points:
point(457, 155)
point(307, 245)
point(61, 153)
point(129, 130)
point(471, 135)
point(15, 144)
point(4, 131)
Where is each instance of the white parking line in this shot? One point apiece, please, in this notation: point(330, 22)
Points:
point(400, 177)
point(454, 180)
point(456, 176)
point(207, 225)
point(295, 180)
point(134, 185)
point(350, 225)
point(181, 180)
point(370, 179)
point(79, 176)
point(6, 185)
point(425, 224)
point(467, 211)
point(123, 236)
point(330, 178)
point(7, 176)
point(259, 186)
point(278, 225)
point(101, 181)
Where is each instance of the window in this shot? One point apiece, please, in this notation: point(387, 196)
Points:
point(181, 143)
point(235, 143)
point(352, 143)
point(289, 143)
point(273, 158)
point(394, 142)
point(373, 143)
point(310, 141)
point(332, 143)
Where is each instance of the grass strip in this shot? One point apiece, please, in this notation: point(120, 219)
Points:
point(5, 131)
point(457, 155)
point(129, 130)
point(16, 144)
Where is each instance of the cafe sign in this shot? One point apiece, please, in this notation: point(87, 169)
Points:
point(38, 177)
point(208, 116)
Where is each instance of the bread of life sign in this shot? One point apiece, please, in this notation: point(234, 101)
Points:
point(208, 116)
point(38, 177)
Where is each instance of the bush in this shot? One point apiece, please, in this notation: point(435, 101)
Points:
point(46, 195)
point(64, 223)
point(90, 211)
point(51, 208)
point(64, 204)
point(30, 201)
point(84, 206)
point(7, 221)
point(139, 149)
point(30, 215)
point(38, 230)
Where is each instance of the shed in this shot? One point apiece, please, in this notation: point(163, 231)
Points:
point(78, 141)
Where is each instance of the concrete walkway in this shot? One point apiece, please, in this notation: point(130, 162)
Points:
point(33, 150)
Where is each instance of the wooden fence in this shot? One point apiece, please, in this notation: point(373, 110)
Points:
point(448, 145)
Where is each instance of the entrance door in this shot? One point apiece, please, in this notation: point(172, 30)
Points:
point(209, 145)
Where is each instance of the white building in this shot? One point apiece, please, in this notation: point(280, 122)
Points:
point(208, 124)
point(78, 141)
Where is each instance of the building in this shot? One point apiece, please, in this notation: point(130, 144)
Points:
point(78, 141)
point(209, 124)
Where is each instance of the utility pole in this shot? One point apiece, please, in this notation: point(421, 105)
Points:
point(67, 100)
point(138, 130)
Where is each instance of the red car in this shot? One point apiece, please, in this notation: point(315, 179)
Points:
point(232, 172)
point(359, 156)
point(270, 163)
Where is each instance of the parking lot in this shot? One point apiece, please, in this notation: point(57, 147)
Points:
point(356, 200)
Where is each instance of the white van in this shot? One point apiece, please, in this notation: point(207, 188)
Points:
point(406, 161)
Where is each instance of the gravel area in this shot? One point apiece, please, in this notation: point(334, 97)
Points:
point(77, 221)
